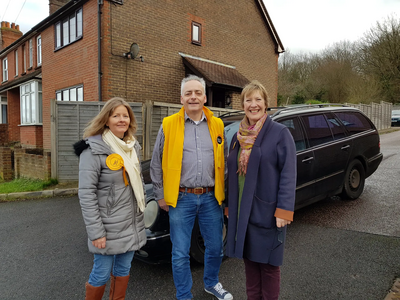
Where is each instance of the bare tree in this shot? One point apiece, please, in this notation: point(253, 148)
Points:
point(380, 56)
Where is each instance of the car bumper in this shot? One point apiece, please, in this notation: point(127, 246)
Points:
point(157, 249)
point(373, 164)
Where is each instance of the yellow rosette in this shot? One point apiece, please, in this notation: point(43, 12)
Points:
point(115, 162)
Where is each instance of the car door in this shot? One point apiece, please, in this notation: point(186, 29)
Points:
point(305, 161)
point(331, 147)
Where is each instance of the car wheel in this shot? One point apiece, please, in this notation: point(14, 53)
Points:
point(354, 181)
point(197, 247)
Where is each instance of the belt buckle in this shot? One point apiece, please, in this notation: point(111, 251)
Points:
point(198, 191)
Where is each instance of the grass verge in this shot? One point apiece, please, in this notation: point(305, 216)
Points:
point(25, 185)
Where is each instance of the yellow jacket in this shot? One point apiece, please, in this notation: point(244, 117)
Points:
point(174, 131)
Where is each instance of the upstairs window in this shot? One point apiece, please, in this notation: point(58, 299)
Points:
point(196, 33)
point(69, 29)
point(39, 50)
point(16, 62)
point(24, 58)
point(5, 69)
point(70, 94)
point(30, 53)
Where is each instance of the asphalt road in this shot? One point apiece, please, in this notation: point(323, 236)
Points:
point(335, 249)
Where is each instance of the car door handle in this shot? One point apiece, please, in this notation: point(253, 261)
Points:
point(345, 147)
point(308, 159)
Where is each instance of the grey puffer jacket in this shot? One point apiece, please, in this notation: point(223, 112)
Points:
point(109, 208)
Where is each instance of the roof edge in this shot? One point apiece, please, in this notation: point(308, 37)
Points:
point(279, 45)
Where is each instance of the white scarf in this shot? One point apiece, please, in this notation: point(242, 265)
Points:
point(131, 163)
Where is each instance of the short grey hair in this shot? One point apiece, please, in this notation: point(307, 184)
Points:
point(193, 77)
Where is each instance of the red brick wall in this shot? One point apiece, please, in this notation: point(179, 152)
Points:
point(14, 118)
point(6, 170)
point(32, 165)
point(234, 33)
point(3, 134)
point(72, 65)
point(31, 136)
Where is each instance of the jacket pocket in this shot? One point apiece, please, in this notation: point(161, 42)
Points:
point(262, 213)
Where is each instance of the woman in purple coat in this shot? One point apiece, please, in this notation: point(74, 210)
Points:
point(261, 193)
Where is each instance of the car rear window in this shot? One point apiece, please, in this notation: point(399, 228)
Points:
point(354, 122)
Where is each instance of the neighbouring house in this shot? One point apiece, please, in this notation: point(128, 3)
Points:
point(92, 50)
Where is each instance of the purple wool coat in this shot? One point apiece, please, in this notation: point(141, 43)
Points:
point(269, 191)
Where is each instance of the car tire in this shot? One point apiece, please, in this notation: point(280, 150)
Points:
point(197, 248)
point(354, 181)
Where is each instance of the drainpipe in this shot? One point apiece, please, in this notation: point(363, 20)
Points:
point(99, 2)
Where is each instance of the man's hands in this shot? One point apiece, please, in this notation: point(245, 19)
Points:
point(281, 222)
point(163, 205)
point(100, 243)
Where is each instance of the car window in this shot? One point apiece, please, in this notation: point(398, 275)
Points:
point(337, 129)
point(317, 129)
point(354, 122)
point(295, 129)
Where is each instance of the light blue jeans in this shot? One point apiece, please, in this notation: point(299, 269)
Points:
point(181, 220)
point(104, 265)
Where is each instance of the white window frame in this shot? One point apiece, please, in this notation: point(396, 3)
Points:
point(73, 93)
point(31, 103)
point(3, 105)
point(5, 69)
point(196, 33)
point(69, 29)
point(30, 53)
point(16, 62)
point(39, 50)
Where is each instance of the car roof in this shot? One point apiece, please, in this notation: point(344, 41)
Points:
point(274, 112)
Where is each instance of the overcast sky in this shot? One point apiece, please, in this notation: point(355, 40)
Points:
point(303, 26)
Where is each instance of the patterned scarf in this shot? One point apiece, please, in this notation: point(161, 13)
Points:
point(246, 136)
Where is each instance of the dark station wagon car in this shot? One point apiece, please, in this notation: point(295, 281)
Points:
point(338, 147)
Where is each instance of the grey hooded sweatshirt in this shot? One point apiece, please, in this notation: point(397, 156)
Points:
point(109, 208)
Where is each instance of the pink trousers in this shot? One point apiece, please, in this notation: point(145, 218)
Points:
point(262, 281)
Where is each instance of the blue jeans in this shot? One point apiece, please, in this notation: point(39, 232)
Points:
point(103, 265)
point(181, 220)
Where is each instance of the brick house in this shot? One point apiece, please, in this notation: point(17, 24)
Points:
point(141, 52)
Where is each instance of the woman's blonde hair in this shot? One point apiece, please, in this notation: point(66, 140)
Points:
point(252, 87)
point(98, 124)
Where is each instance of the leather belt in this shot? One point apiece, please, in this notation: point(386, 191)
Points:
point(197, 190)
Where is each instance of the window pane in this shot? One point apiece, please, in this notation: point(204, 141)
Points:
point(80, 94)
point(66, 95)
point(32, 112)
point(72, 33)
point(30, 53)
point(195, 33)
point(72, 94)
point(4, 114)
point(295, 129)
point(39, 50)
point(354, 122)
point(58, 96)
point(79, 23)
point(317, 129)
point(58, 35)
point(40, 107)
point(27, 88)
point(33, 86)
point(65, 32)
point(23, 118)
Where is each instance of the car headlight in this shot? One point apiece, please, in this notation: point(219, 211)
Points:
point(151, 213)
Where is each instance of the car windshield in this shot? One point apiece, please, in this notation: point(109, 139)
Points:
point(396, 113)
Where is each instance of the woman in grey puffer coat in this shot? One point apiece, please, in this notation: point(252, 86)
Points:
point(111, 194)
